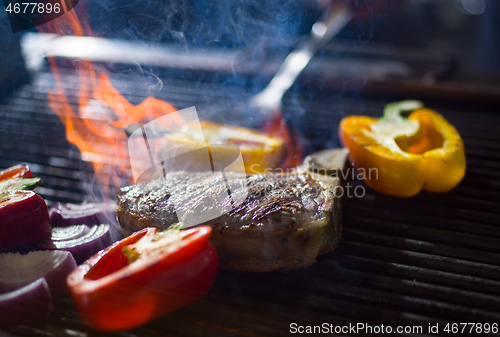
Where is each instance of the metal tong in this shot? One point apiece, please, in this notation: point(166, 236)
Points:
point(334, 20)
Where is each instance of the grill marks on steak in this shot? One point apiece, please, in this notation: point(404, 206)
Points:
point(284, 221)
point(275, 200)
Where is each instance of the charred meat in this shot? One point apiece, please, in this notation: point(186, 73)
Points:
point(269, 221)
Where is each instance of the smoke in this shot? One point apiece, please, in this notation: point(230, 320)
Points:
point(193, 23)
point(190, 25)
point(248, 26)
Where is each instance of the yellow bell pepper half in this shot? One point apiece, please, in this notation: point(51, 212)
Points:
point(404, 155)
point(259, 151)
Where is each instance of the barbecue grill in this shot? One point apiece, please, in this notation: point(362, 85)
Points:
point(430, 259)
point(419, 261)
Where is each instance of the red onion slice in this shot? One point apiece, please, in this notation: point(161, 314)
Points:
point(96, 239)
point(25, 304)
point(18, 270)
point(24, 218)
point(81, 241)
point(61, 234)
point(90, 214)
point(69, 233)
point(63, 215)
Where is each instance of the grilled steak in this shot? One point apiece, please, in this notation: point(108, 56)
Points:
point(283, 221)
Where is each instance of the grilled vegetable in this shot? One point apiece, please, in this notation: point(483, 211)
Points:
point(18, 177)
point(400, 156)
point(18, 270)
point(24, 218)
point(328, 162)
point(30, 302)
point(18, 171)
point(144, 276)
point(16, 184)
point(63, 215)
point(81, 241)
point(259, 151)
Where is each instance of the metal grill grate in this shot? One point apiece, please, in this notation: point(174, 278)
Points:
point(419, 261)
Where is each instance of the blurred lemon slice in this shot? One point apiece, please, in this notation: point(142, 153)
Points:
point(259, 151)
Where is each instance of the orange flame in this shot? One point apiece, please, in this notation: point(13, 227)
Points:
point(102, 141)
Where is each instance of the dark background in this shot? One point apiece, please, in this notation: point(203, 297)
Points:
point(464, 29)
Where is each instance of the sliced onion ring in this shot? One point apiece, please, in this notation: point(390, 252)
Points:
point(69, 233)
point(63, 215)
point(61, 234)
point(81, 241)
point(25, 304)
point(16, 270)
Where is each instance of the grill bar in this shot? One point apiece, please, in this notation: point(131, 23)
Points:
point(418, 261)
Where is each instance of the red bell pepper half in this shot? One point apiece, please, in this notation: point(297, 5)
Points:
point(18, 171)
point(144, 276)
